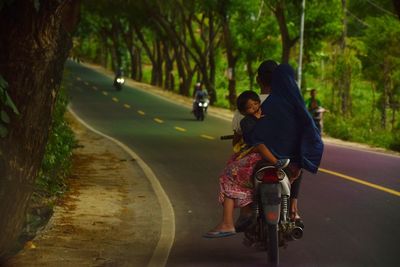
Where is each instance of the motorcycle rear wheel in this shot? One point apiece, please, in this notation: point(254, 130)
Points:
point(272, 244)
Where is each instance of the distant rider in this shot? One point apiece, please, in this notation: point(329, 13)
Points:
point(314, 108)
point(200, 94)
point(118, 74)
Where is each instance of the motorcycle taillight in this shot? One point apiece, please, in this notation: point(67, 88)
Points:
point(270, 176)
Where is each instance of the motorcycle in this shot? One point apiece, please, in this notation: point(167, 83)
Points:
point(317, 116)
point(200, 108)
point(118, 82)
point(269, 226)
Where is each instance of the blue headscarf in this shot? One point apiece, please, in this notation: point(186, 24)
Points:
point(287, 128)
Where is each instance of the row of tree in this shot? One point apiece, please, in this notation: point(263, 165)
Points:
point(186, 41)
point(183, 40)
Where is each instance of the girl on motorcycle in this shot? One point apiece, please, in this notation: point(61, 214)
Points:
point(288, 129)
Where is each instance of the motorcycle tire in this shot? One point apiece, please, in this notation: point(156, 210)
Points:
point(199, 115)
point(272, 244)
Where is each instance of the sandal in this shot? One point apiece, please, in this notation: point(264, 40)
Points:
point(218, 234)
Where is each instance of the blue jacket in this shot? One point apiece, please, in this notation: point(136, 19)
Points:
point(287, 128)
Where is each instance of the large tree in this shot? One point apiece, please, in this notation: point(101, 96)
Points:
point(381, 66)
point(35, 40)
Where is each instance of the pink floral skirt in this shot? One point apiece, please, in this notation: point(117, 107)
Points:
point(235, 180)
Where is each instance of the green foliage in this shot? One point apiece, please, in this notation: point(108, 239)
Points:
point(57, 159)
point(349, 73)
point(382, 40)
point(382, 61)
point(360, 131)
point(395, 142)
point(337, 127)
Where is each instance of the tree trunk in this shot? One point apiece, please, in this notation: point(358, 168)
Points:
point(132, 61)
point(396, 4)
point(146, 47)
point(156, 72)
point(104, 51)
point(211, 59)
point(345, 75)
point(160, 59)
point(34, 45)
point(116, 50)
point(231, 63)
point(128, 38)
point(183, 88)
point(385, 93)
point(286, 42)
point(136, 63)
point(250, 73)
point(168, 68)
point(138, 59)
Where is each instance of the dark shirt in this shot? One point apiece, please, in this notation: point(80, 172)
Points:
point(247, 125)
point(287, 129)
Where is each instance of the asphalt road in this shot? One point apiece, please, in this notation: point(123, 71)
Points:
point(351, 208)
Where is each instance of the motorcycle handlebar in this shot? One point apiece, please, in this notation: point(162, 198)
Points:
point(226, 137)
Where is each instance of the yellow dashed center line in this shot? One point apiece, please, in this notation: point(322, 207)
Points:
point(94, 88)
point(105, 93)
point(86, 83)
point(207, 137)
point(158, 120)
point(141, 112)
point(78, 78)
point(356, 180)
point(180, 129)
point(115, 99)
point(127, 106)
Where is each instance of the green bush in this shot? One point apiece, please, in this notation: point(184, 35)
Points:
point(57, 159)
point(359, 129)
point(395, 143)
point(337, 127)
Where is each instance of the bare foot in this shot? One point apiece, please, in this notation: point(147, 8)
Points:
point(221, 227)
point(294, 209)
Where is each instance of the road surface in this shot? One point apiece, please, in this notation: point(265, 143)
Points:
point(350, 208)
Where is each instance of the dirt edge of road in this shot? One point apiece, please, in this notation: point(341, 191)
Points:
point(109, 217)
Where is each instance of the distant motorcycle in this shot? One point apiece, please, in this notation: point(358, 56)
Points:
point(200, 107)
point(270, 226)
point(118, 82)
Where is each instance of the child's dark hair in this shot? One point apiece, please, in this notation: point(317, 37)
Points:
point(242, 99)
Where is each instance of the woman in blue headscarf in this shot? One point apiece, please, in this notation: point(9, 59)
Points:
point(286, 129)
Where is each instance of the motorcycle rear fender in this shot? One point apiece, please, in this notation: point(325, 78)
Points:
point(270, 196)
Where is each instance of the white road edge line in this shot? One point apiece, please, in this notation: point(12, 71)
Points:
point(167, 236)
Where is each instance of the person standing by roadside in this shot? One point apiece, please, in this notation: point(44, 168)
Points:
point(314, 108)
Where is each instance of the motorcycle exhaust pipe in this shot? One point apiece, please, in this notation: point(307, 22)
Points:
point(296, 233)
